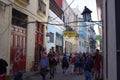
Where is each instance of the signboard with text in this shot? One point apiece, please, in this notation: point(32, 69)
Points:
point(69, 33)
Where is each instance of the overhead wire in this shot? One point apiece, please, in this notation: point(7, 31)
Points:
point(25, 22)
point(12, 3)
point(36, 15)
point(48, 22)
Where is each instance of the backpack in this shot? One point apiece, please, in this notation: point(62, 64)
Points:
point(64, 60)
point(55, 62)
point(65, 63)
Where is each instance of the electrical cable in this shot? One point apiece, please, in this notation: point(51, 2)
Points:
point(24, 9)
point(48, 21)
point(25, 22)
point(34, 14)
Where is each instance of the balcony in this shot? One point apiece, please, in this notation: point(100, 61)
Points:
point(42, 8)
point(23, 2)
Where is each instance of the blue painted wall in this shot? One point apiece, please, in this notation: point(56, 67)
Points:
point(54, 29)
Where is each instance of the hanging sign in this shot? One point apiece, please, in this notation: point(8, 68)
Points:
point(69, 33)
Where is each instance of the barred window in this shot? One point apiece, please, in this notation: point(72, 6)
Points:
point(42, 6)
point(51, 37)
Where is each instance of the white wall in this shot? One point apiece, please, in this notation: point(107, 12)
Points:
point(110, 40)
point(5, 26)
point(30, 45)
point(112, 73)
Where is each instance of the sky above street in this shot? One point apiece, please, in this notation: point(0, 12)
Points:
point(91, 4)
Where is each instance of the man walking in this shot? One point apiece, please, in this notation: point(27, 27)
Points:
point(97, 64)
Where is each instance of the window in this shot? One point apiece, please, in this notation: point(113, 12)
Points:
point(19, 18)
point(51, 37)
point(42, 7)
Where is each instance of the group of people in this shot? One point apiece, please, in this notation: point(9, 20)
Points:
point(48, 63)
point(82, 63)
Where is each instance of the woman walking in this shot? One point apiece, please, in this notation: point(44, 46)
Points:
point(44, 65)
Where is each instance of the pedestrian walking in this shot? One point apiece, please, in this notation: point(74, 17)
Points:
point(88, 66)
point(3, 69)
point(52, 63)
point(72, 62)
point(97, 67)
point(65, 63)
point(78, 64)
point(44, 66)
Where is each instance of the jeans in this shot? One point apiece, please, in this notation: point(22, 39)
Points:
point(88, 75)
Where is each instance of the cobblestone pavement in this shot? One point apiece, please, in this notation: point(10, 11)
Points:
point(58, 76)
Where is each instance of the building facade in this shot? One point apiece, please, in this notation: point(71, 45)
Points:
point(91, 39)
point(55, 40)
point(100, 27)
point(81, 30)
point(111, 39)
point(71, 43)
point(22, 32)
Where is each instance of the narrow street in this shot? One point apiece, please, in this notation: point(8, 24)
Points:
point(39, 34)
point(58, 76)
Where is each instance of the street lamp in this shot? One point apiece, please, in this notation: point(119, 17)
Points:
point(86, 14)
point(87, 18)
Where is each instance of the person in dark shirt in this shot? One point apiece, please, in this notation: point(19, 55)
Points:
point(88, 66)
point(3, 69)
point(51, 57)
point(65, 63)
point(97, 66)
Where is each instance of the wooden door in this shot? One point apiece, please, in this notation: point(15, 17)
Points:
point(38, 43)
point(18, 49)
